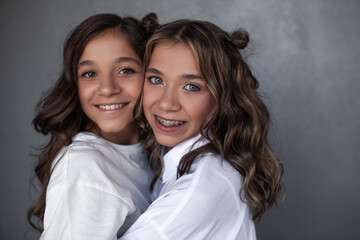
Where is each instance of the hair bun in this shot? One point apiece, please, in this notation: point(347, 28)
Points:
point(240, 38)
point(150, 22)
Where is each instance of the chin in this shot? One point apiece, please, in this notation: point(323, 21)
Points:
point(167, 141)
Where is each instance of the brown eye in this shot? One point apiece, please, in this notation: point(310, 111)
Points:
point(89, 74)
point(126, 71)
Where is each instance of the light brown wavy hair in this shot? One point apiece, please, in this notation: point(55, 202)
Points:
point(59, 112)
point(237, 126)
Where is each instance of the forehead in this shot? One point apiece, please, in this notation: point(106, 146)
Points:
point(173, 56)
point(108, 42)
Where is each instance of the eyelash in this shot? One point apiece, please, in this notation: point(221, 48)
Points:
point(152, 80)
point(123, 71)
point(86, 74)
point(128, 70)
point(197, 88)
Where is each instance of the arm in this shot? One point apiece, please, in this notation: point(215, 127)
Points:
point(83, 212)
point(84, 198)
point(171, 216)
point(201, 205)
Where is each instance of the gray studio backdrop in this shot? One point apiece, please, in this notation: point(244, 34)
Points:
point(306, 55)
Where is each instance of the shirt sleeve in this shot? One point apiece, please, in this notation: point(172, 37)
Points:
point(83, 200)
point(83, 212)
point(194, 208)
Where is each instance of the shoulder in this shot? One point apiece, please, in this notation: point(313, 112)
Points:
point(91, 150)
point(209, 182)
point(211, 169)
point(88, 144)
point(207, 196)
point(84, 145)
point(86, 152)
point(89, 161)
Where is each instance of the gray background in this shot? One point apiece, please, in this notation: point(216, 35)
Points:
point(305, 54)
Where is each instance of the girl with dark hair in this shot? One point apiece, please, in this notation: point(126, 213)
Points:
point(94, 173)
point(208, 137)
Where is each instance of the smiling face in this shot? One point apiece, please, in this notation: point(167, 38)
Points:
point(176, 100)
point(110, 80)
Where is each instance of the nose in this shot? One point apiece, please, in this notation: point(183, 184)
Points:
point(108, 86)
point(169, 100)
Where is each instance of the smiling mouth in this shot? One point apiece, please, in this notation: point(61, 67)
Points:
point(169, 123)
point(111, 106)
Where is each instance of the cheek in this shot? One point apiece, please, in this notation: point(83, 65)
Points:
point(84, 92)
point(147, 103)
point(134, 87)
point(148, 97)
point(201, 110)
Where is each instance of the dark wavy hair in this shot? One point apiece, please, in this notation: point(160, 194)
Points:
point(59, 112)
point(237, 126)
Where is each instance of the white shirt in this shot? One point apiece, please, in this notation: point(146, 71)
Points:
point(203, 204)
point(95, 188)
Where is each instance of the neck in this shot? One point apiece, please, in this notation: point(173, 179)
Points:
point(128, 136)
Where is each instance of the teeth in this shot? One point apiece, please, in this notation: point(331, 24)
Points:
point(167, 123)
point(111, 107)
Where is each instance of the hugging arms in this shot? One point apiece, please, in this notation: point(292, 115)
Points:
point(199, 117)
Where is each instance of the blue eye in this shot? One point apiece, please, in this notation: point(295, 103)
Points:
point(89, 74)
point(126, 71)
point(192, 87)
point(155, 80)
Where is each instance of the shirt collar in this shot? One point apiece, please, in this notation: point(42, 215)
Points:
point(173, 157)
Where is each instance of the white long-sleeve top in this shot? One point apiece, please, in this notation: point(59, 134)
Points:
point(96, 190)
point(203, 204)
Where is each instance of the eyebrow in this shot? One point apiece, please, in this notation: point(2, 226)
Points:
point(154, 71)
point(191, 77)
point(184, 76)
point(118, 60)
